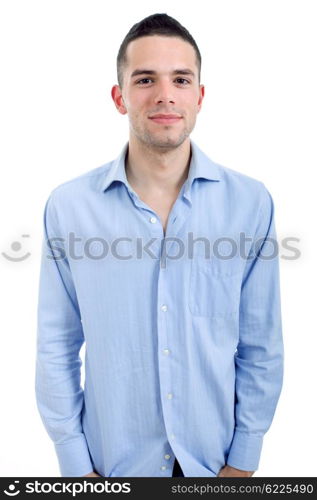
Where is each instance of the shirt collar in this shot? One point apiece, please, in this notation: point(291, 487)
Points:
point(200, 167)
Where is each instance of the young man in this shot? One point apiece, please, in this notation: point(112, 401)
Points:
point(182, 322)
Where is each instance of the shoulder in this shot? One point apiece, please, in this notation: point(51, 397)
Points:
point(75, 191)
point(88, 181)
point(246, 189)
point(236, 180)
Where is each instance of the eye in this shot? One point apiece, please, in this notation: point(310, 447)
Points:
point(143, 79)
point(182, 80)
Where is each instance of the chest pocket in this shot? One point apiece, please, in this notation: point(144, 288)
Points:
point(214, 287)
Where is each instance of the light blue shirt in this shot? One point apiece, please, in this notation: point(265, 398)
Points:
point(184, 352)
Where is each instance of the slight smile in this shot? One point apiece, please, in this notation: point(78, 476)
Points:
point(165, 119)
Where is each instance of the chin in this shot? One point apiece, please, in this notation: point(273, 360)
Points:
point(166, 141)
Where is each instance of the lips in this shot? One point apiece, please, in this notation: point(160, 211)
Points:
point(162, 115)
point(165, 118)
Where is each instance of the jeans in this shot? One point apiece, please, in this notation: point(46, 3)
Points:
point(177, 471)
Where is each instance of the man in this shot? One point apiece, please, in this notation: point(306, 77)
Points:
point(144, 262)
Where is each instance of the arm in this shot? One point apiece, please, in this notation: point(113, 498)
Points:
point(259, 356)
point(60, 336)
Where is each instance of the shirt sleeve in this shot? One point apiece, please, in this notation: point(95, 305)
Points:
point(260, 354)
point(59, 394)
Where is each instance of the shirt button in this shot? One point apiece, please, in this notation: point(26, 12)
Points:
point(153, 220)
point(163, 467)
point(167, 457)
point(164, 307)
point(170, 395)
point(166, 351)
point(172, 436)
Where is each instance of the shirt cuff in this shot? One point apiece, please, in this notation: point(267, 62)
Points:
point(245, 451)
point(74, 458)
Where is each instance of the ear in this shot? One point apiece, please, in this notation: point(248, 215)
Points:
point(201, 96)
point(117, 98)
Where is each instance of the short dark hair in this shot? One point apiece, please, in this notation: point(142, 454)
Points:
point(156, 24)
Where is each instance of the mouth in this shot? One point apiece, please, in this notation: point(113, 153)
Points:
point(165, 119)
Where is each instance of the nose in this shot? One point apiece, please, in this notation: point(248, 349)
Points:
point(164, 93)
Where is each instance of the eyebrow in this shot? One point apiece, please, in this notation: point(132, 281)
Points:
point(184, 71)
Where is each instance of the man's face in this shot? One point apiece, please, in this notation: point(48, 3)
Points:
point(161, 77)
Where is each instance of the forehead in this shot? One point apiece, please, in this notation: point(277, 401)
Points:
point(161, 52)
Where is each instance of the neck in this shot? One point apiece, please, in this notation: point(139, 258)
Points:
point(157, 169)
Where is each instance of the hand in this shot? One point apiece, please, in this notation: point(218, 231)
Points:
point(92, 474)
point(228, 471)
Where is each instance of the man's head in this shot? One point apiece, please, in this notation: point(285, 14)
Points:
point(156, 24)
point(158, 69)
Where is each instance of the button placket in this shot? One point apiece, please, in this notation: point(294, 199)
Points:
point(164, 329)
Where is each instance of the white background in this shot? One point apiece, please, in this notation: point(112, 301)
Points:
point(57, 121)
